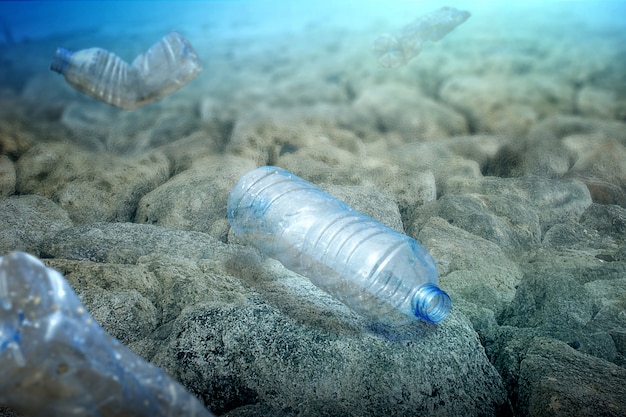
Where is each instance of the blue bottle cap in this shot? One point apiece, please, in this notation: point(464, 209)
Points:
point(60, 60)
point(431, 303)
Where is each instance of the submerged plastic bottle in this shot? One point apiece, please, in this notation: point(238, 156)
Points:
point(164, 68)
point(376, 271)
point(56, 361)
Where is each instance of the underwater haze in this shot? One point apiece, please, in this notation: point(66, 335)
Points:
point(492, 132)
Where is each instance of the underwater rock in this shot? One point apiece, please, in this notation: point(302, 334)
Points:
point(558, 302)
point(496, 105)
point(195, 199)
point(122, 298)
point(7, 176)
point(601, 231)
point(327, 163)
point(555, 144)
point(540, 372)
point(473, 267)
point(128, 314)
point(265, 134)
point(263, 351)
point(408, 188)
point(606, 219)
point(401, 115)
point(237, 326)
point(126, 243)
point(26, 219)
point(573, 296)
point(451, 160)
point(489, 216)
point(598, 102)
point(553, 201)
point(90, 186)
point(104, 129)
point(567, 235)
point(15, 138)
point(603, 170)
point(183, 152)
point(552, 384)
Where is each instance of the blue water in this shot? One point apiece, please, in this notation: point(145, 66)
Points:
point(129, 28)
point(24, 21)
point(29, 20)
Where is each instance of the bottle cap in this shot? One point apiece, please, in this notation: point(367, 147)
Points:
point(61, 59)
point(431, 303)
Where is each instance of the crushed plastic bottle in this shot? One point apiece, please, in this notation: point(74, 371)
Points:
point(394, 50)
point(56, 361)
point(378, 272)
point(164, 68)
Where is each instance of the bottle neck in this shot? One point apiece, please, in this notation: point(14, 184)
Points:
point(60, 60)
point(431, 303)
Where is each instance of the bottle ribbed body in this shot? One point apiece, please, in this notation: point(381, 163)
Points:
point(370, 267)
point(163, 69)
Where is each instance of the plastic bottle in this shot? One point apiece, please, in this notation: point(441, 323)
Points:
point(394, 50)
point(164, 68)
point(376, 271)
point(55, 360)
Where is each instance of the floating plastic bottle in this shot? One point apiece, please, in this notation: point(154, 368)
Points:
point(164, 68)
point(378, 272)
point(394, 50)
point(55, 360)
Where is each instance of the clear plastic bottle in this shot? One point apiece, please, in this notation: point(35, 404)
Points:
point(164, 68)
point(56, 361)
point(394, 50)
point(376, 271)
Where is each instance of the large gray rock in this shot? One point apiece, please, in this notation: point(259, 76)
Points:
point(572, 297)
point(600, 102)
point(258, 353)
point(476, 269)
point(196, 198)
point(606, 219)
point(450, 159)
point(554, 144)
point(510, 221)
point(105, 128)
point(401, 114)
point(407, 188)
point(125, 243)
point(124, 299)
point(552, 384)
point(16, 136)
point(265, 134)
point(603, 170)
point(90, 186)
point(601, 232)
point(552, 201)
point(7, 176)
point(242, 331)
point(26, 219)
point(561, 295)
point(495, 105)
